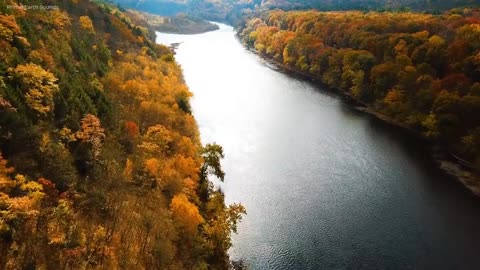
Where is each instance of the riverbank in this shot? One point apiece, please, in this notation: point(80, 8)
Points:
point(445, 161)
point(324, 185)
point(179, 24)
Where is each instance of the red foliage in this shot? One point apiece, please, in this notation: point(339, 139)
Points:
point(49, 189)
point(132, 129)
point(455, 81)
point(472, 20)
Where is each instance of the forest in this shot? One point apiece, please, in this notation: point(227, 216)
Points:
point(422, 70)
point(101, 165)
point(416, 5)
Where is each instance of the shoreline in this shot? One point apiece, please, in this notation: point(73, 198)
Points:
point(179, 24)
point(446, 162)
point(186, 33)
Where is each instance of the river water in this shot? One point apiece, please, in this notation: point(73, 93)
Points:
point(325, 187)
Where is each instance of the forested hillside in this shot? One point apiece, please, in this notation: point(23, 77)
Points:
point(422, 70)
point(417, 5)
point(101, 166)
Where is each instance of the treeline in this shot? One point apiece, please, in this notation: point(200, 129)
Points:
point(101, 166)
point(422, 70)
point(324, 5)
point(230, 11)
point(179, 24)
point(234, 12)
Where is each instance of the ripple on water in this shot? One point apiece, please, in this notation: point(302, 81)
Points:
point(325, 187)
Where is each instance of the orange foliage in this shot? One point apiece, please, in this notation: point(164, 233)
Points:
point(152, 166)
point(132, 129)
point(186, 214)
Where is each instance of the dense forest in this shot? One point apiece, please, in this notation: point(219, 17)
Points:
point(101, 165)
point(422, 70)
point(417, 5)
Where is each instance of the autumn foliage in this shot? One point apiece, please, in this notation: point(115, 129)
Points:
point(95, 118)
point(422, 70)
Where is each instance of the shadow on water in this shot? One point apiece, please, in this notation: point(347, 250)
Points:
point(417, 149)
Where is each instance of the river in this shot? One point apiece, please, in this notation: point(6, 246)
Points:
point(325, 187)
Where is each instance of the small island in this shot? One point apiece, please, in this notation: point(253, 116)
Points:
point(179, 24)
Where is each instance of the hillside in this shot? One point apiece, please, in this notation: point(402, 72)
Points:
point(101, 166)
point(421, 70)
point(178, 24)
point(415, 5)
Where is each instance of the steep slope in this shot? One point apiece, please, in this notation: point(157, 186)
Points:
point(109, 171)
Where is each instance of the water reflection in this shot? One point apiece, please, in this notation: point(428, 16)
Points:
point(325, 187)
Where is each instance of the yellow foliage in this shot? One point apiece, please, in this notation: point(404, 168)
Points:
point(436, 41)
point(42, 57)
point(23, 41)
point(22, 204)
point(60, 19)
point(92, 132)
point(5, 181)
point(394, 96)
point(86, 23)
point(144, 228)
point(44, 142)
point(156, 140)
point(57, 231)
point(128, 168)
point(40, 86)
point(186, 214)
point(8, 27)
point(67, 135)
point(401, 47)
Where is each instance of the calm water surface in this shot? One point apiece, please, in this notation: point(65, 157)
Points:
point(325, 187)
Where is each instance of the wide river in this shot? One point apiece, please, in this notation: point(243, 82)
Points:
point(325, 187)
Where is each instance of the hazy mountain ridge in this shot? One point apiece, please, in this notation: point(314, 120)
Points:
point(232, 11)
point(178, 24)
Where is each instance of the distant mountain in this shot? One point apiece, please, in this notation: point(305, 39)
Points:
point(160, 7)
point(223, 10)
